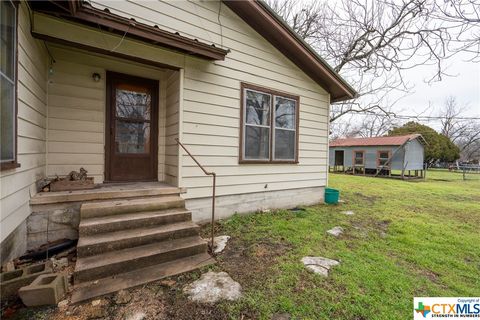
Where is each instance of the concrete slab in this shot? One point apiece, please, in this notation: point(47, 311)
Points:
point(213, 287)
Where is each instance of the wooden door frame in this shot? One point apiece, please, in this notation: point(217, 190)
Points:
point(109, 120)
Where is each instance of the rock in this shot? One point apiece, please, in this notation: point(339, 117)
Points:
point(348, 213)
point(60, 264)
point(341, 201)
point(62, 304)
point(319, 265)
point(96, 303)
point(220, 243)
point(213, 287)
point(317, 269)
point(9, 266)
point(168, 283)
point(335, 231)
point(281, 316)
point(123, 297)
point(97, 309)
point(136, 316)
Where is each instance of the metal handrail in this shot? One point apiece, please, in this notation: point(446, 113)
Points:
point(214, 182)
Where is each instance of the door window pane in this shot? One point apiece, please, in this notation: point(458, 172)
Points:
point(284, 113)
point(284, 144)
point(132, 104)
point(257, 108)
point(132, 137)
point(7, 129)
point(257, 143)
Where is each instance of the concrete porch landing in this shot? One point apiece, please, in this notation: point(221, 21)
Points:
point(107, 191)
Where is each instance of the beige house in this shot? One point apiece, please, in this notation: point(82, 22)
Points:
point(109, 86)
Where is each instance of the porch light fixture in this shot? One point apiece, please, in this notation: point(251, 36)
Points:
point(96, 77)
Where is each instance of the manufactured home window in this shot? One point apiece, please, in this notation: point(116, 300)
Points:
point(8, 75)
point(359, 158)
point(382, 158)
point(269, 126)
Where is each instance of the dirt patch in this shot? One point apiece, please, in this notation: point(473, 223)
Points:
point(248, 263)
point(370, 199)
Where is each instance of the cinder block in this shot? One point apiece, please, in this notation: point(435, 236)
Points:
point(11, 281)
point(47, 289)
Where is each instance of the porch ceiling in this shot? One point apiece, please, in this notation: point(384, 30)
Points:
point(84, 13)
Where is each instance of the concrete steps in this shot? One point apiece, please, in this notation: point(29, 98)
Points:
point(125, 221)
point(118, 238)
point(92, 289)
point(119, 261)
point(102, 209)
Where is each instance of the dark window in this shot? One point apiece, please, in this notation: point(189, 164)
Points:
point(383, 157)
point(8, 79)
point(269, 126)
point(358, 158)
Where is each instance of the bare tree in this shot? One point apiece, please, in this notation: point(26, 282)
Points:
point(464, 16)
point(465, 133)
point(372, 42)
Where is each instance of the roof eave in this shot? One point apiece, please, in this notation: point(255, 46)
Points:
point(84, 13)
point(274, 29)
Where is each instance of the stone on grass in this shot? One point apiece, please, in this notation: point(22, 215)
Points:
point(335, 231)
point(220, 243)
point(319, 265)
point(348, 213)
point(213, 287)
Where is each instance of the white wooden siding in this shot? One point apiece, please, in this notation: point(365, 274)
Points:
point(172, 127)
point(18, 185)
point(209, 117)
point(76, 111)
point(211, 99)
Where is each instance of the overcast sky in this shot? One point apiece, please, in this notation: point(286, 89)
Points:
point(464, 84)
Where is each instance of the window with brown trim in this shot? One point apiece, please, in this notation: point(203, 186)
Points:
point(382, 157)
point(8, 84)
point(269, 126)
point(358, 158)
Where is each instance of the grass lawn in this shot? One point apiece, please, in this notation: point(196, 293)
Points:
point(405, 239)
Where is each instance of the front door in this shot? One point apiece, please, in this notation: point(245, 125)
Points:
point(132, 128)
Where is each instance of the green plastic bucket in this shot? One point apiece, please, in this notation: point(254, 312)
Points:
point(331, 195)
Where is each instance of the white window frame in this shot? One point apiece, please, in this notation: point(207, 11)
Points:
point(6, 164)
